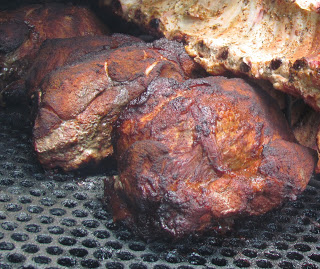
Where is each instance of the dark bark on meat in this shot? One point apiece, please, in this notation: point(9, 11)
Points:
point(194, 154)
point(81, 101)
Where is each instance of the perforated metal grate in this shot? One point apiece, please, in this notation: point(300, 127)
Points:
point(58, 221)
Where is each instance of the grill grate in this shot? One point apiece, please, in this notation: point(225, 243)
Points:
point(57, 221)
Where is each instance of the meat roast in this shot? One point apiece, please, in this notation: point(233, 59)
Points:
point(193, 155)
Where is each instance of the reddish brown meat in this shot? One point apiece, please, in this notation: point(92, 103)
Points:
point(192, 155)
point(22, 31)
point(55, 53)
point(80, 102)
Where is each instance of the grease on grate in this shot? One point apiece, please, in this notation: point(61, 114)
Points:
point(57, 221)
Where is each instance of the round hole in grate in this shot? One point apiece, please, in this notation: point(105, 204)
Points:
point(92, 204)
point(30, 248)
point(114, 265)
point(114, 244)
point(125, 255)
point(78, 252)
point(90, 263)
point(272, 255)
point(35, 209)
point(55, 230)
point(41, 260)
point(44, 239)
point(101, 214)
point(1, 235)
point(80, 196)
point(137, 246)
point(6, 182)
point(310, 238)
point(292, 255)
point(16, 258)
point(102, 254)
point(9, 225)
point(80, 213)
point(27, 183)
point(57, 212)
point(79, 232)
point(67, 241)
point(13, 207)
point(286, 265)
point(37, 192)
point(25, 200)
point(23, 217)
point(6, 246)
point(19, 237)
point(67, 261)
point(302, 247)
point(264, 264)
point(69, 203)
point(54, 250)
point(250, 253)
point(91, 223)
point(90, 243)
point(33, 228)
point(101, 234)
point(138, 266)
point(68, 222)
point(59, 193)
point(46, 219)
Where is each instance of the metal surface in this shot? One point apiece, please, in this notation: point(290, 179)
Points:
point(52, 220)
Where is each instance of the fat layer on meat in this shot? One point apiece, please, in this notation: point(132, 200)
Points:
point(278, 41)
point(274, 40)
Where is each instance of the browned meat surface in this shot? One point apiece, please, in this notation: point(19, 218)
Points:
point(22, 31)
point(193, 155)
point(55, 53)
point(274, 40)
point(80, 102)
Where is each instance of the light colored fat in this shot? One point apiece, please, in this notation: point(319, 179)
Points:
point(254, 32)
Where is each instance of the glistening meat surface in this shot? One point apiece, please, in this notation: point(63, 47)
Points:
point(193, 155)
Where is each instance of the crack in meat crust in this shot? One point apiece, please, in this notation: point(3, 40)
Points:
point(196, 153)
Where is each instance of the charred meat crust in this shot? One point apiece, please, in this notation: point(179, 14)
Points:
point(81, 101)
point(194, 154)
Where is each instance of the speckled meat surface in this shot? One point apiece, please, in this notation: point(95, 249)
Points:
point(81, 101)
point(193, 155)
